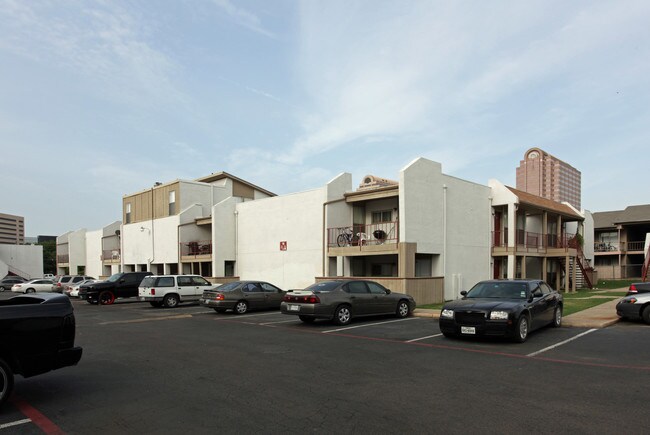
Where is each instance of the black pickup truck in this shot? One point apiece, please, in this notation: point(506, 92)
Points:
point(37, 334)
point(119, 285)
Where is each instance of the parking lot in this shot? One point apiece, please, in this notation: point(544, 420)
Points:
point(189, 369)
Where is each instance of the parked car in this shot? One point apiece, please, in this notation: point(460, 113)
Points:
point(343, 300)
point(72, 290)
point(242, 296)
point(37, 335)
point(638, 287)
point(635, 307)
point(170, 290)
point(119, 285)
point(35, 285)
point(66, 280)
point(9, 281)
point(511, 308)
point(48, 276)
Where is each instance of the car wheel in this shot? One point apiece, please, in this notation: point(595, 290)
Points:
point(170, 301)
point(307, 319)
point(646, 314)
point(30, 290)
point(220, 310)
point(342, 315)
point(2, 289)
point(156, 304)
point(557, 317)
point(403, 309)
point(521, 329)
point(106, 298)
point(241, 307)
point(6, 381)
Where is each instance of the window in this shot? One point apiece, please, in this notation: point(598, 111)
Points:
point(269, 288)
point(184, 281)
point(357, 288)
point(251, 288)
point(376, 288)
point(381, 216)
point(128, 213)
point(199, 280)
point(172, 202)
point(166, 281)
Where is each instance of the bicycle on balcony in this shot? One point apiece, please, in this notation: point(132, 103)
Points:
point(349, 238)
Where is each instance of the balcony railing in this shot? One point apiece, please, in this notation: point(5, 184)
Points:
point(63, 258)
point(364, 234)
point(199, 247)
point(526, 240)
point(618, 247)
point(111, 255)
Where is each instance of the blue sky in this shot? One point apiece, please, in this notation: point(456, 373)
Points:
point(103, 98)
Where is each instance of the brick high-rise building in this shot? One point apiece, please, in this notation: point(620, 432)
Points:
point(547, 176)
point(12, 229)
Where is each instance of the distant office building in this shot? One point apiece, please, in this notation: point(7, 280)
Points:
point(12, 229)
point(542, 174)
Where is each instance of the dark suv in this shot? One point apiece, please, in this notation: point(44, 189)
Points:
point(120, 285)
point(7, 282)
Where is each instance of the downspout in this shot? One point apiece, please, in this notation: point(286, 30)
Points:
point(444, 232)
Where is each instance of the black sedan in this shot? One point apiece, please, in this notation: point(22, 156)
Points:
point(638, 287)
point(510, 308)
point(341, 300)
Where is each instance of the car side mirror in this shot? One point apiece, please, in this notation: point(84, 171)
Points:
point(122, 281)
point(463, 293)
point(387, 291)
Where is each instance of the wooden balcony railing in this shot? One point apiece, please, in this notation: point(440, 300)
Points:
point(111, 254)
point(63, 258)
point(527, 240)
point(618, 247)
point(363, 234)
point(197, 247)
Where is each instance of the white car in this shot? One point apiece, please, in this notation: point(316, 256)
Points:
point(72, 290)
point(170, 290)
point(35, 285)
point(635, 307)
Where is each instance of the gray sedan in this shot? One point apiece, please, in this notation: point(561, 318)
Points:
point(341, 300)
point(241, 296)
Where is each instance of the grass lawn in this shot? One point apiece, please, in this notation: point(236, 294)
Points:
point(604, 284)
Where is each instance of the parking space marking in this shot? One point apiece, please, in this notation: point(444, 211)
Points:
point(15, 423)
point(561, 343)
point(423, 338)
point(114, 322)
point(369, 324)
point(35, 416)
point(281, 321)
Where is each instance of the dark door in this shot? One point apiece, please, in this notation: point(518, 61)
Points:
point(253, 295)
point(381, 301)
point(359, 297)
point(272, 295)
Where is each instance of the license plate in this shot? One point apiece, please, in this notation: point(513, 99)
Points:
point(467, 330)
point(293, 307)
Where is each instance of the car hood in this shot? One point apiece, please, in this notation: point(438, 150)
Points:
point(484, 304)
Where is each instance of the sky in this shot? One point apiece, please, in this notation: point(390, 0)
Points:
point(99, 99)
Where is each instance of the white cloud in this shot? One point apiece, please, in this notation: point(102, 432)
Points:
point(243, 17)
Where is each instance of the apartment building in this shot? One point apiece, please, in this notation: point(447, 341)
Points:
point(622, 242)
point(12, 229)
point(546, 176)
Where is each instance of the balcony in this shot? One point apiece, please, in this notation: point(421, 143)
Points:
point(196, 250)
point(530, 242)
point(380, 237)
point(63, 258)
point(110, 256)
point(617, 247)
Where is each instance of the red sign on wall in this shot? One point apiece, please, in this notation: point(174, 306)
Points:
point(283, 246)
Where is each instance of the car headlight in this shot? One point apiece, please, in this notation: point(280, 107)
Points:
point(629, 301)
point(447, 314)
point(499, 315)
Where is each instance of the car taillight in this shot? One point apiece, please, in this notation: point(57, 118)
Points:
point(310, 299)
point(153, 291)
point(219, 297)
point(632, 289)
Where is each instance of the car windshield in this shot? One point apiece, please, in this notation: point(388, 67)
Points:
point(115, 278)
point(323, 287)
point(499, 290)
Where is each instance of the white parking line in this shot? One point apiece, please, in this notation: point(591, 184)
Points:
point(561, 343)
point(281, 321)
point(15, 423)
point(423, 338)
point(368, 324)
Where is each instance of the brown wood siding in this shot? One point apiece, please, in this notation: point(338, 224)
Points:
point(242, 190)
point(141, 205)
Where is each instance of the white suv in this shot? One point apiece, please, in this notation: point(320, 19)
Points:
point(170, 290)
